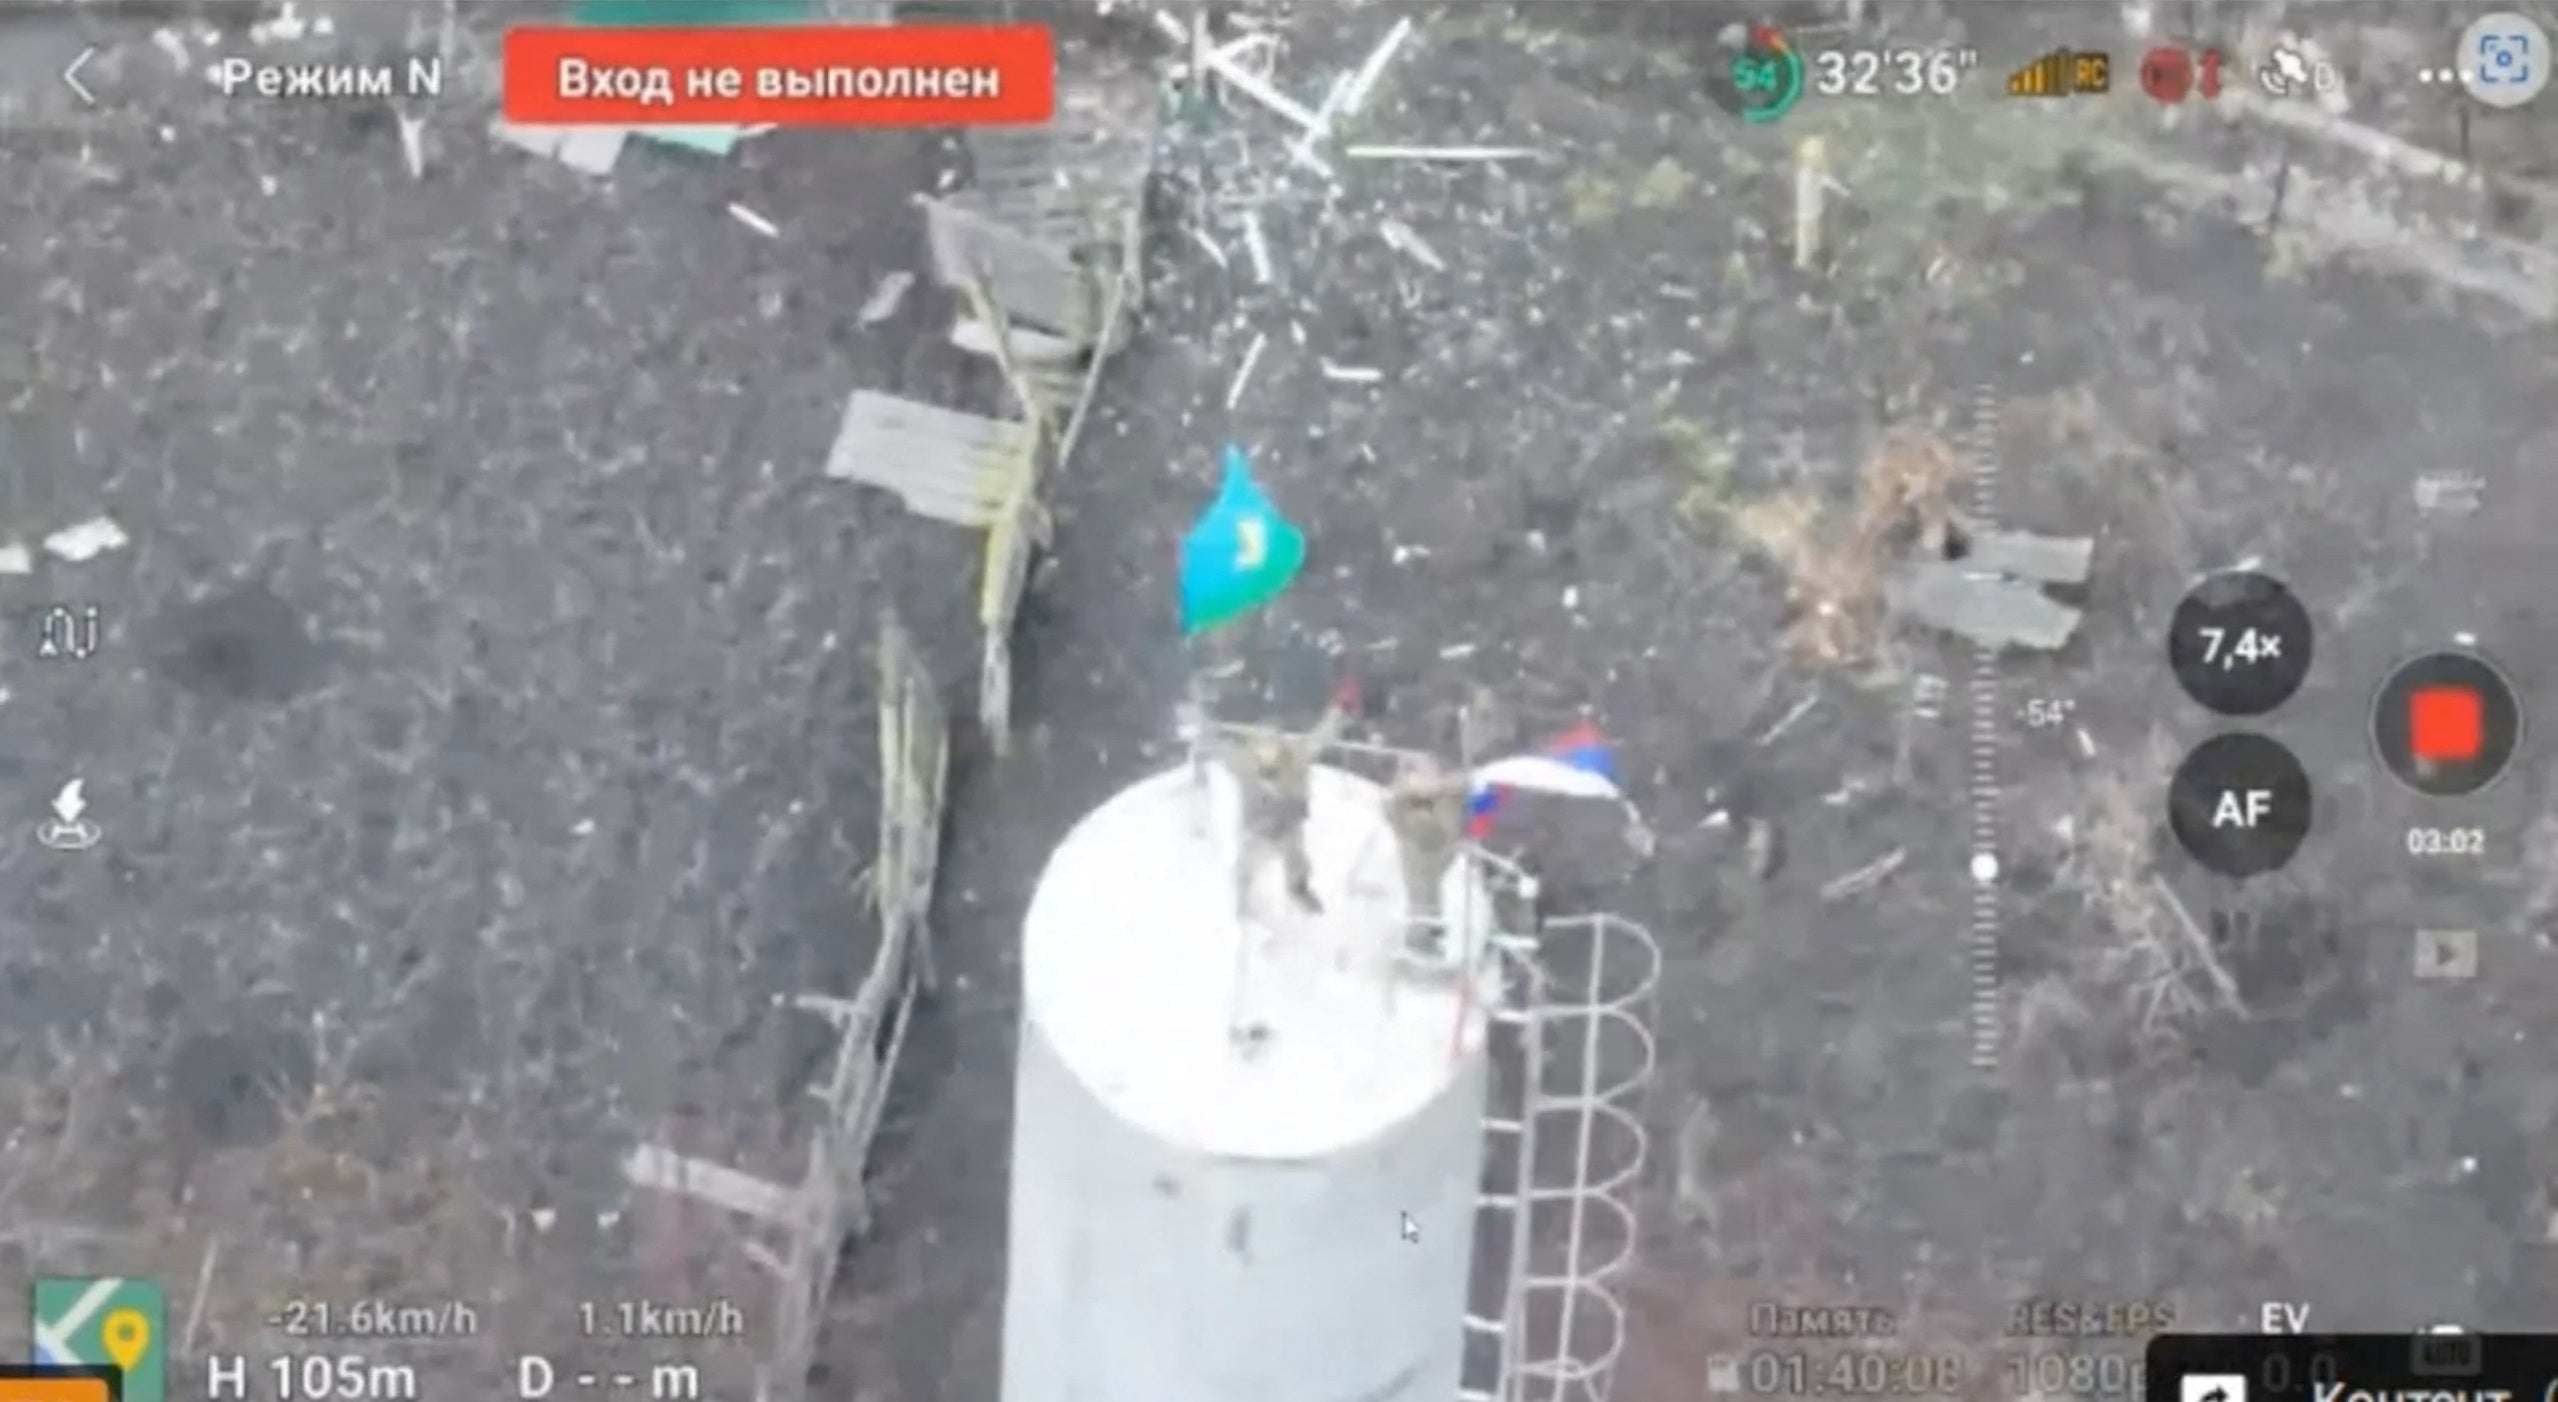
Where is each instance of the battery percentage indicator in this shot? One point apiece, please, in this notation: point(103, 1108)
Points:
point(1764, 79)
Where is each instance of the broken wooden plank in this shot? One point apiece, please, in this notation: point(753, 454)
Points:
point(1117, 316)
point(1031, 279)
point(1363, 80)
point(966, 430)
point(1987, 608)
point(1011, 540)
point(1072, 182)
point(656, 1166)
point(915, 767)
point(1034, 406)
point(907, 459)
point(1029, 348)
point(944, 464)
point(968, 501)
point(919, 464)
point(871, 1025)
point(968, 512)
point(1019, 528)
point(2046, 559)
point(886, 298)
point(936, 448)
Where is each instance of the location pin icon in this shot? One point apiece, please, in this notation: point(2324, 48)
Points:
point(127, 1335)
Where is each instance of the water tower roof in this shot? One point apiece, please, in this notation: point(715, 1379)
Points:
point(1137, 970)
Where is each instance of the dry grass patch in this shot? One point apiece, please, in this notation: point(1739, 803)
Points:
point(1834, 558)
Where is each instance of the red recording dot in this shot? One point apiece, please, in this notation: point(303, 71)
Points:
point(2167, 75)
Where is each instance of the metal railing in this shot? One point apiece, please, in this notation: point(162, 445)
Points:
point(1578, 1013)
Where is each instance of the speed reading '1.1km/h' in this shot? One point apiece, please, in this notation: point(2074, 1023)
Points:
point(2240, 643)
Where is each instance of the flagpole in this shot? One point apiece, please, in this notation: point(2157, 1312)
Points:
point(1469, 966)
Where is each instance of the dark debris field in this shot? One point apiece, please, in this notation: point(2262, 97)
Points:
point(483, 734)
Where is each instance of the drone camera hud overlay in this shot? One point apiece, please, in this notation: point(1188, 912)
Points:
point(1278, 700)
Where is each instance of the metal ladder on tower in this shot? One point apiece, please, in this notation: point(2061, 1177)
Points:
point(1568, 1156)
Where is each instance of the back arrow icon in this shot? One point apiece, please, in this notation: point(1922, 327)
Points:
point(71, 77)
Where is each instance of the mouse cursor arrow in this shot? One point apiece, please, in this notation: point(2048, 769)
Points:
point(69, 804)
point(1411, 1229)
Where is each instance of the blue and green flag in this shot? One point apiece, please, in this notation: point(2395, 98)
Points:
point(1240, 555)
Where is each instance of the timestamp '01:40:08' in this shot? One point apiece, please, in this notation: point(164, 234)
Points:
point(1853, 1373)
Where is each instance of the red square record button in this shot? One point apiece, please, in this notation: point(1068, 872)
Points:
point(2446, 724)
point(818, 75)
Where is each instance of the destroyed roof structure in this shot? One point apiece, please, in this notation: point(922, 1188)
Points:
point(1046, 249)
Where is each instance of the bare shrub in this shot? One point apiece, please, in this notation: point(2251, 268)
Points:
point(2140, 947)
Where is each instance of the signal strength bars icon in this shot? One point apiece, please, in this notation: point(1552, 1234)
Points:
point(2047, 76)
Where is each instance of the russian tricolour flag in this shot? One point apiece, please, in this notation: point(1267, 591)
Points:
point(1575, 764)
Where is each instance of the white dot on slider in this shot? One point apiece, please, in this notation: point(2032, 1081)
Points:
point(1984, 867)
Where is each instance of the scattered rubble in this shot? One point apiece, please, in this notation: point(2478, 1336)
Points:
point(1400, 237)
point(1243, 372)
point(885, 299)
point(587, 150)
point(412, 143)
point(1461, 154)
point(1866, 877)
point(87, 540)
point(1363, 83)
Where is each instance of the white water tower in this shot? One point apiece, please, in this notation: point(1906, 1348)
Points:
point(1201, 1218)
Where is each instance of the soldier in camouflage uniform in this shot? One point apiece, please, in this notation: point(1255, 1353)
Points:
point(1275, 773)
point(1426, 811)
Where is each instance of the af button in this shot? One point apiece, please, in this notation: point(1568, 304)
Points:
point(2240, 805)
